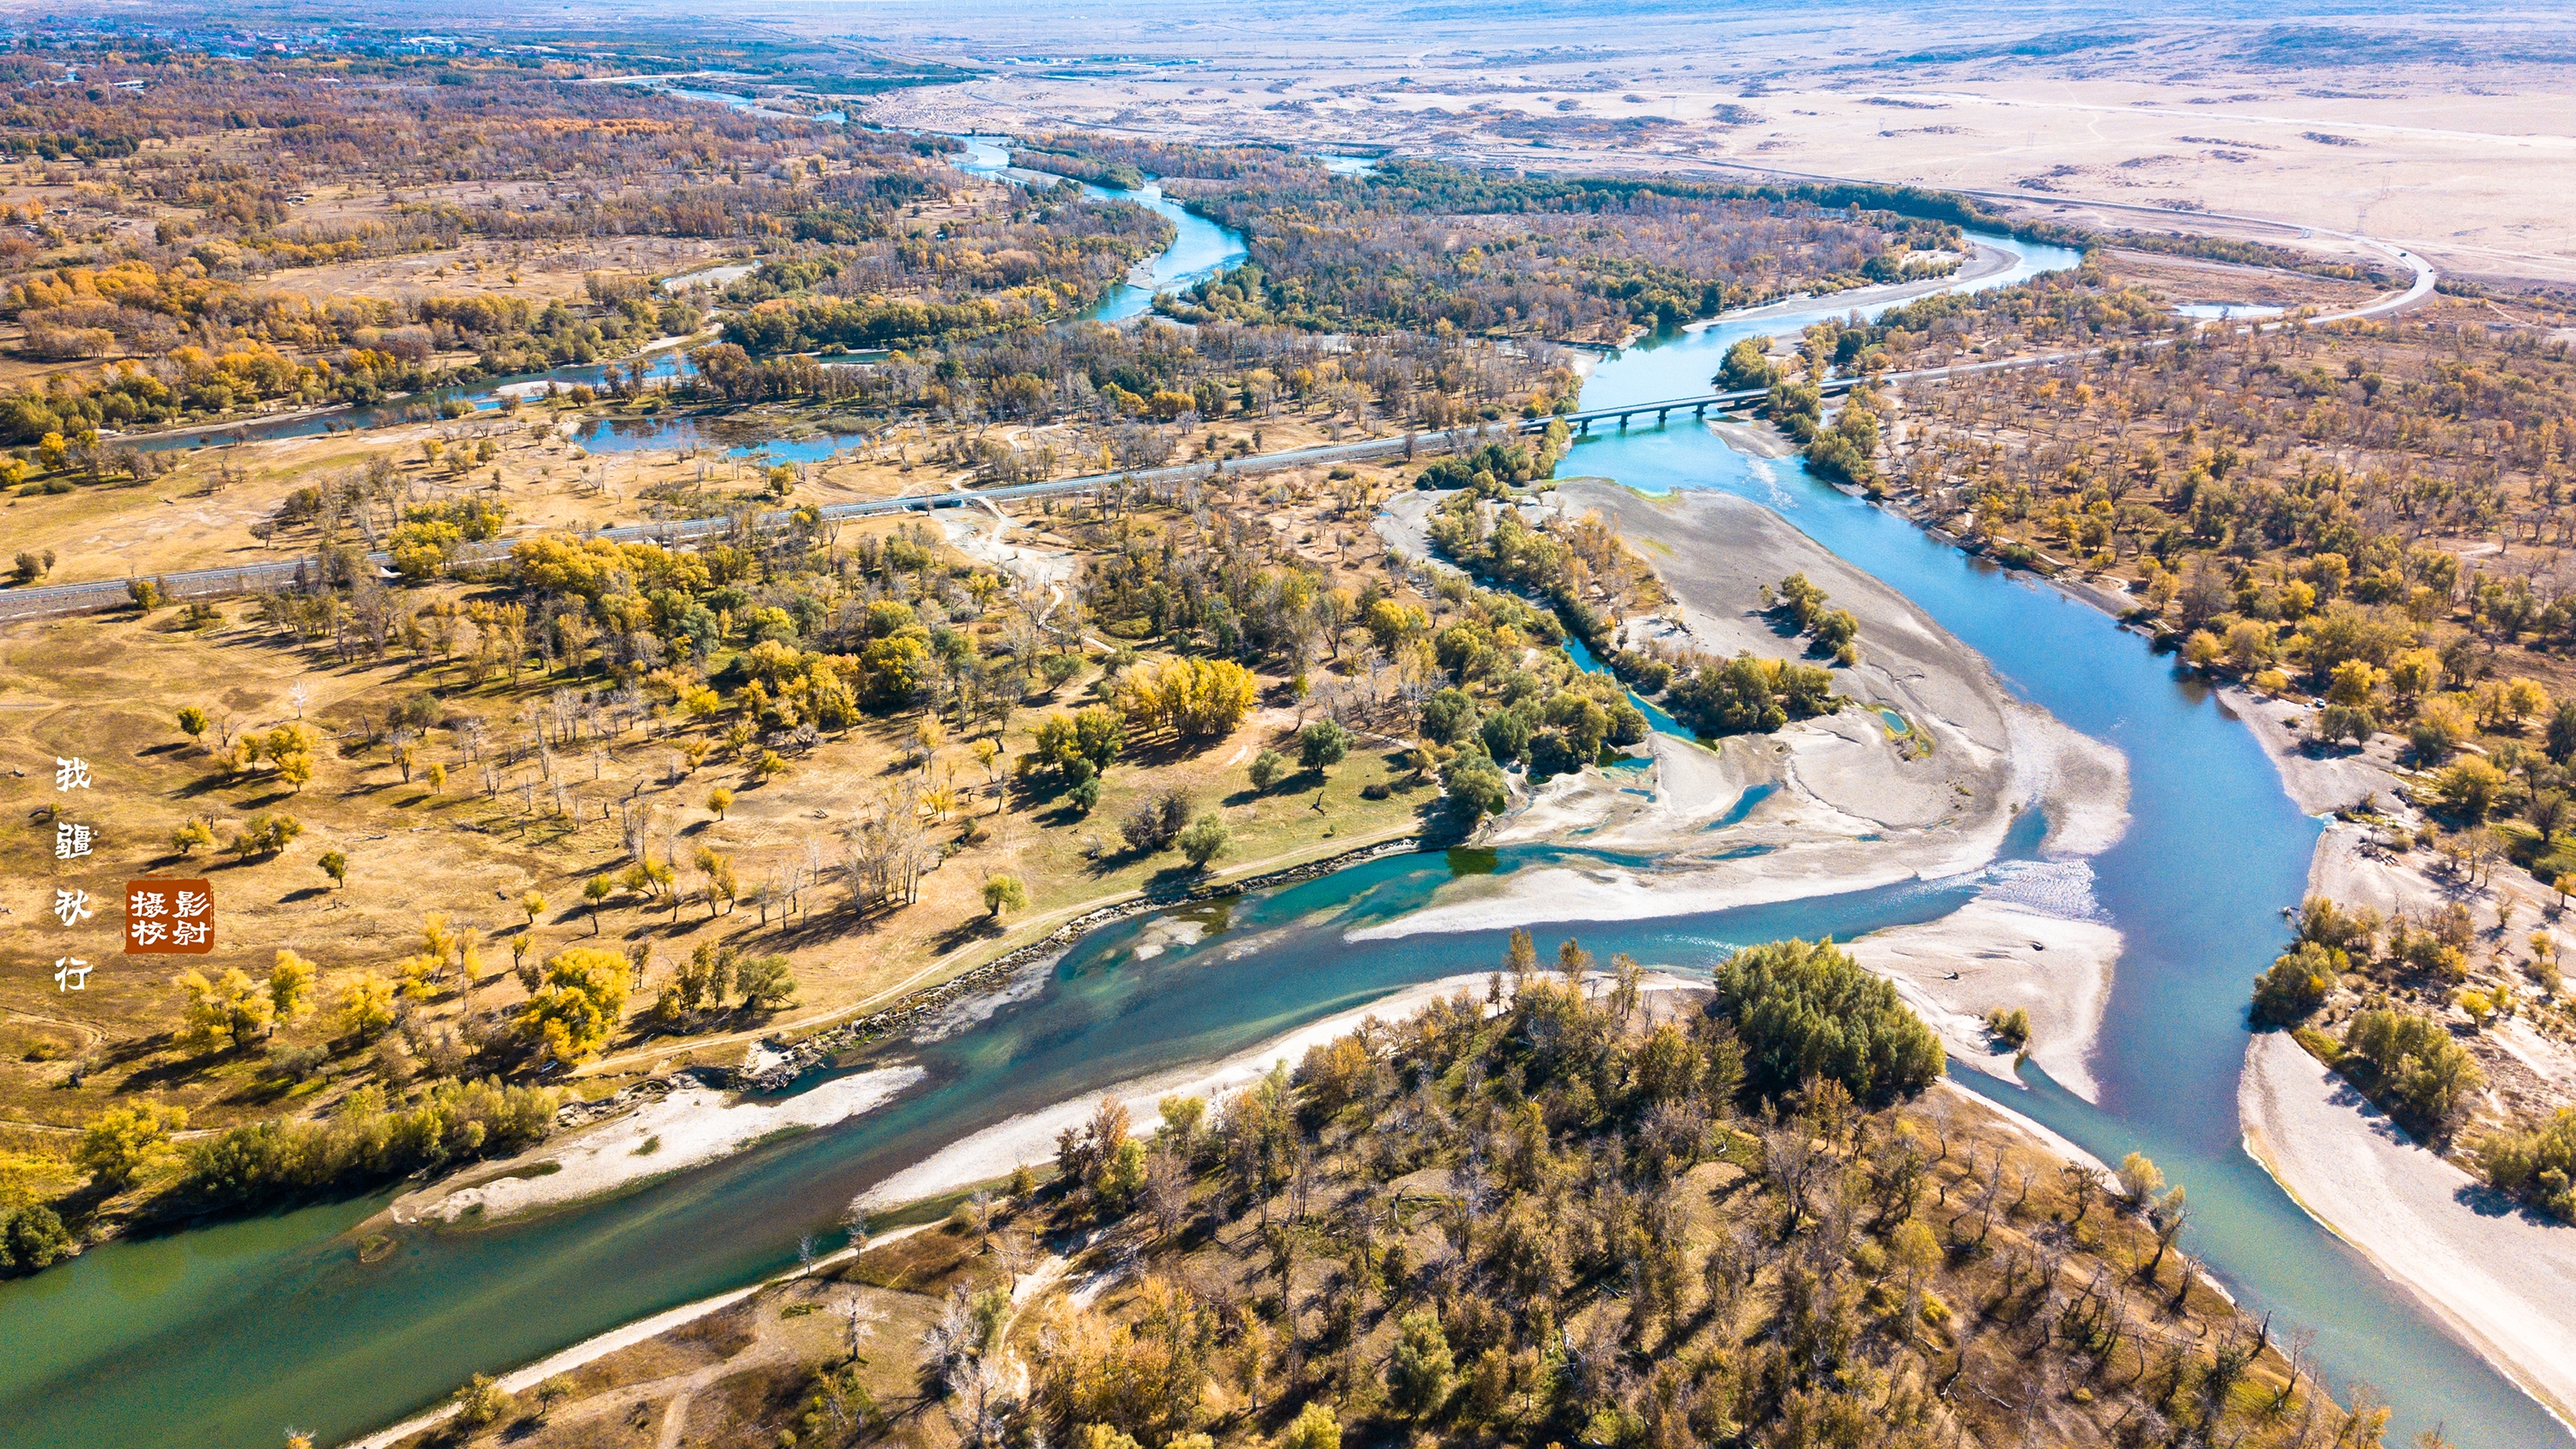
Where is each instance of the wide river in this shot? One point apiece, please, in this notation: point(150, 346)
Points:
point(222, 1335)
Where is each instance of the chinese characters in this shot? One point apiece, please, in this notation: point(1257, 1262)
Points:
point(72, 841)
point(169, 917)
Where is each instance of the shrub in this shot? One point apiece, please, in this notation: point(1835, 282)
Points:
point(121, 1141)
point(483, 1402)
point(2536, 1164)
point(366, 1141)
point(1156, 823)
point(31, 1237)
point(1314, 1428)
point(2412, 1067)
point(2296, 985)
point(2011, 1027)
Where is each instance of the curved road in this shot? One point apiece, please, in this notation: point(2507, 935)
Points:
point(58, 600)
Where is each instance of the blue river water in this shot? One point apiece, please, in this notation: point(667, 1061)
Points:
point(2214, 852)
point(221, 1335)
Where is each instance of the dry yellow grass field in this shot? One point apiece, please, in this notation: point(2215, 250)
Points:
point(108, 689)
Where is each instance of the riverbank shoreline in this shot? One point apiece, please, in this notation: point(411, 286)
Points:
point(686, 1128)
point(2342, 1170)
point(2473, 1259)
point(1924, 778)
point(2320, 1143)
point(2499, 1277)
point(988, 1156)
point(1981, 263)
point(698, 1115)
point(625, 1335)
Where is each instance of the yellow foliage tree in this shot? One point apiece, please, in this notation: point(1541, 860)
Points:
point(225, 1012)
point(577, 1008)
point(1193, 698)
point(122, 1141)
point(290, 987)
point(366, 1005)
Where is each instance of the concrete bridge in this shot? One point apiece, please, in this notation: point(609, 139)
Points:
point(1698, 407)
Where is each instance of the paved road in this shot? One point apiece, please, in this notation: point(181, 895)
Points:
point(58, 600)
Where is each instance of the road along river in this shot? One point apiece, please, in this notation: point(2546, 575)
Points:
point(219, 1336)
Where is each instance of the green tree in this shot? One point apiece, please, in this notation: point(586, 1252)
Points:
point(2296, 985)
point(1099, 734)
point(1806, 1010)
point(2413, 1066)
point(193, 723)
point(1418, 1375)
point(1449, 716)
point(1505, 735)
point(766, 982)
point(1746, 368)
point(335, 865)
point(1266, 769)
point(2535, 1163)
point(1322, 744)
point(1473, 787)
point(1004, 893)
point(1204, 840)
